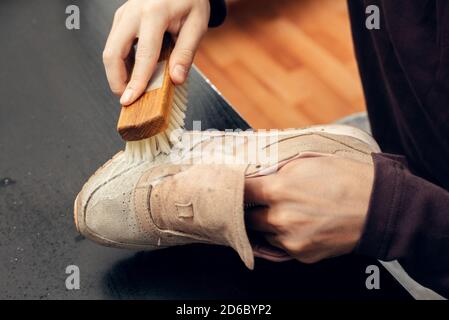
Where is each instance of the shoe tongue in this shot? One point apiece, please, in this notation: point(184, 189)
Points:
point(205, 202)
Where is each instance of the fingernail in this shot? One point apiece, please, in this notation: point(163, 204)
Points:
point(180, 72)
point(126, 96)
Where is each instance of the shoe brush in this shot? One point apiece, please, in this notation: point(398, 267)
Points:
point(154, 122)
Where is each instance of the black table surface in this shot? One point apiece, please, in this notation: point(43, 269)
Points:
point(57, 125)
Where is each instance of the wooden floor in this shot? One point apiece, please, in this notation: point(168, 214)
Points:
point(285, 63)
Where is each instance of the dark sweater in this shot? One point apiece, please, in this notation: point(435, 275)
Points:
point(404, 68)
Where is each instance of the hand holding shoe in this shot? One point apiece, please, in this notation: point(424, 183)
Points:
point(315, 208)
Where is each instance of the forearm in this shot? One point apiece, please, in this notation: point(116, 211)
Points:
point(408, 220)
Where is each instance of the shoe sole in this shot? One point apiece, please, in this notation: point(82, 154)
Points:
point(335, 129)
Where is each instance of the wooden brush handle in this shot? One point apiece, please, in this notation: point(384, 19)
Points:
point(149, 114)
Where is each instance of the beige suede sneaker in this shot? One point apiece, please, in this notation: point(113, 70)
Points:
point(195, 194)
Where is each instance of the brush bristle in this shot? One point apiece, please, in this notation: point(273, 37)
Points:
point(148, 149)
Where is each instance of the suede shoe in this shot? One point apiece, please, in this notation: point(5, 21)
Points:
point(195, 194)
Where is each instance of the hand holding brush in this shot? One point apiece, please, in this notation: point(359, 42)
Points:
point(153, 101)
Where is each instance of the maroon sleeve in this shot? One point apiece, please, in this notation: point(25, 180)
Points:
point(408, 220)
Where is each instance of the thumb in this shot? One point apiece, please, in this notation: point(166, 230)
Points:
point(185, 48)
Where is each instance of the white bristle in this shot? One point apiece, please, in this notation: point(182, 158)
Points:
point(148, 149)
point(178, 112)
point(175, 135)
point(148, 152)
point(175, 109)
point(183, 89)
point(175, 123)
point(180, 94)
point(176, 116)
point(164, 145)
point(153, 148)
point(170, 127)
point(179, 99)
